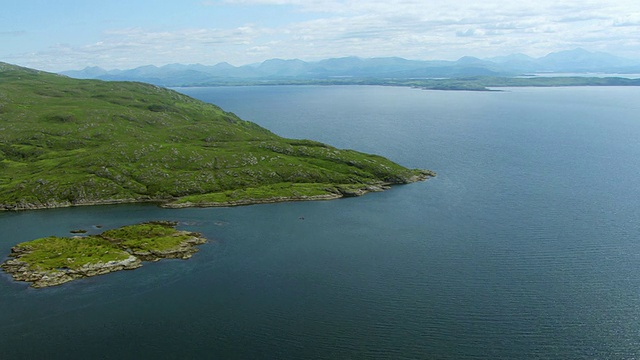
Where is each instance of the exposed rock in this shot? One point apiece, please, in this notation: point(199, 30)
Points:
point(250, 201)
point(22, 271)
point(334, 193)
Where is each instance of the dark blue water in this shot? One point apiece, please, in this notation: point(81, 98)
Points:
point(526, 245)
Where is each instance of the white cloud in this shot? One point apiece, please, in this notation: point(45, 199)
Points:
point(437, 29)
point(125, 48)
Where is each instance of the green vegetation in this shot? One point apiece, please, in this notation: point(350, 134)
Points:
point(146, 237)
point(53, 260)
point(53, 253)
point(71, 142)
point(268, 193)
point(258, 193)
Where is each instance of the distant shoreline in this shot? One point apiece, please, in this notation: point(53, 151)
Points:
point(477, 83)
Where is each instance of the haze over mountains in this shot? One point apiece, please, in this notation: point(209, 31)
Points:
point(571, 61)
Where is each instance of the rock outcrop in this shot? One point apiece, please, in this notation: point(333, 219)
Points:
point(21, 271)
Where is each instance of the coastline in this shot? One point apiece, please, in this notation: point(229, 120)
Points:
point(335, 193)
point(174, 203)
point(246, 202)
point(23, 268)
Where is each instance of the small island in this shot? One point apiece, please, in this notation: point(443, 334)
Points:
point(55, 260)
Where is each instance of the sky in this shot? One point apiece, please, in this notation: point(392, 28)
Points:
point(121, 34)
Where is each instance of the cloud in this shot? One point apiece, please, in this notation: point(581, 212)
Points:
point(436, 29)
point(628, 20)
point(258, 50)
point(467, 33)
point(125, 48)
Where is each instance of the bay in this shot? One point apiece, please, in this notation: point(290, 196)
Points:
point(524, 246)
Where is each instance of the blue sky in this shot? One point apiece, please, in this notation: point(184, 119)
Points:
point(72, 34)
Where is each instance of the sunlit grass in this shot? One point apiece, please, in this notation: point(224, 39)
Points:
point(146, 237)
point(274, 191)
point(55, 253)
point(66, 141)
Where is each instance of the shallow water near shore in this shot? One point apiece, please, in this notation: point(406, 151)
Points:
point(524, 246)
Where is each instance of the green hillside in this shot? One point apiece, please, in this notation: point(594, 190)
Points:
point(76, 142)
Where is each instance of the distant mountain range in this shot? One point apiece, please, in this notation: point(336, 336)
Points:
point(571, 61)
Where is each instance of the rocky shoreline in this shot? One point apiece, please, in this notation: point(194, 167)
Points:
point(171, 203)
point(337, 194)
point(64, 204)
point(243, 202)
point(22, 270)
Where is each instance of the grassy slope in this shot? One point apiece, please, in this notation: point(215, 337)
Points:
point(65, 141)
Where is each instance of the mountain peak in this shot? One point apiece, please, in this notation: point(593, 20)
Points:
point(575, 60)
point(579, 59)
point(469, 60)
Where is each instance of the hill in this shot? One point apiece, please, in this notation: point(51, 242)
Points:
point(67, 142)
point(354, 69)
point(274, 70)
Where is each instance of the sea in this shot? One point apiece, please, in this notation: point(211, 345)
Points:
point(525, 246)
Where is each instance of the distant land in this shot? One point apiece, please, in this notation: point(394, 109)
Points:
point(67, 142)
point(467, 73)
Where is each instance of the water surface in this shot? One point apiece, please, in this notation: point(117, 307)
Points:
point(524, 246)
